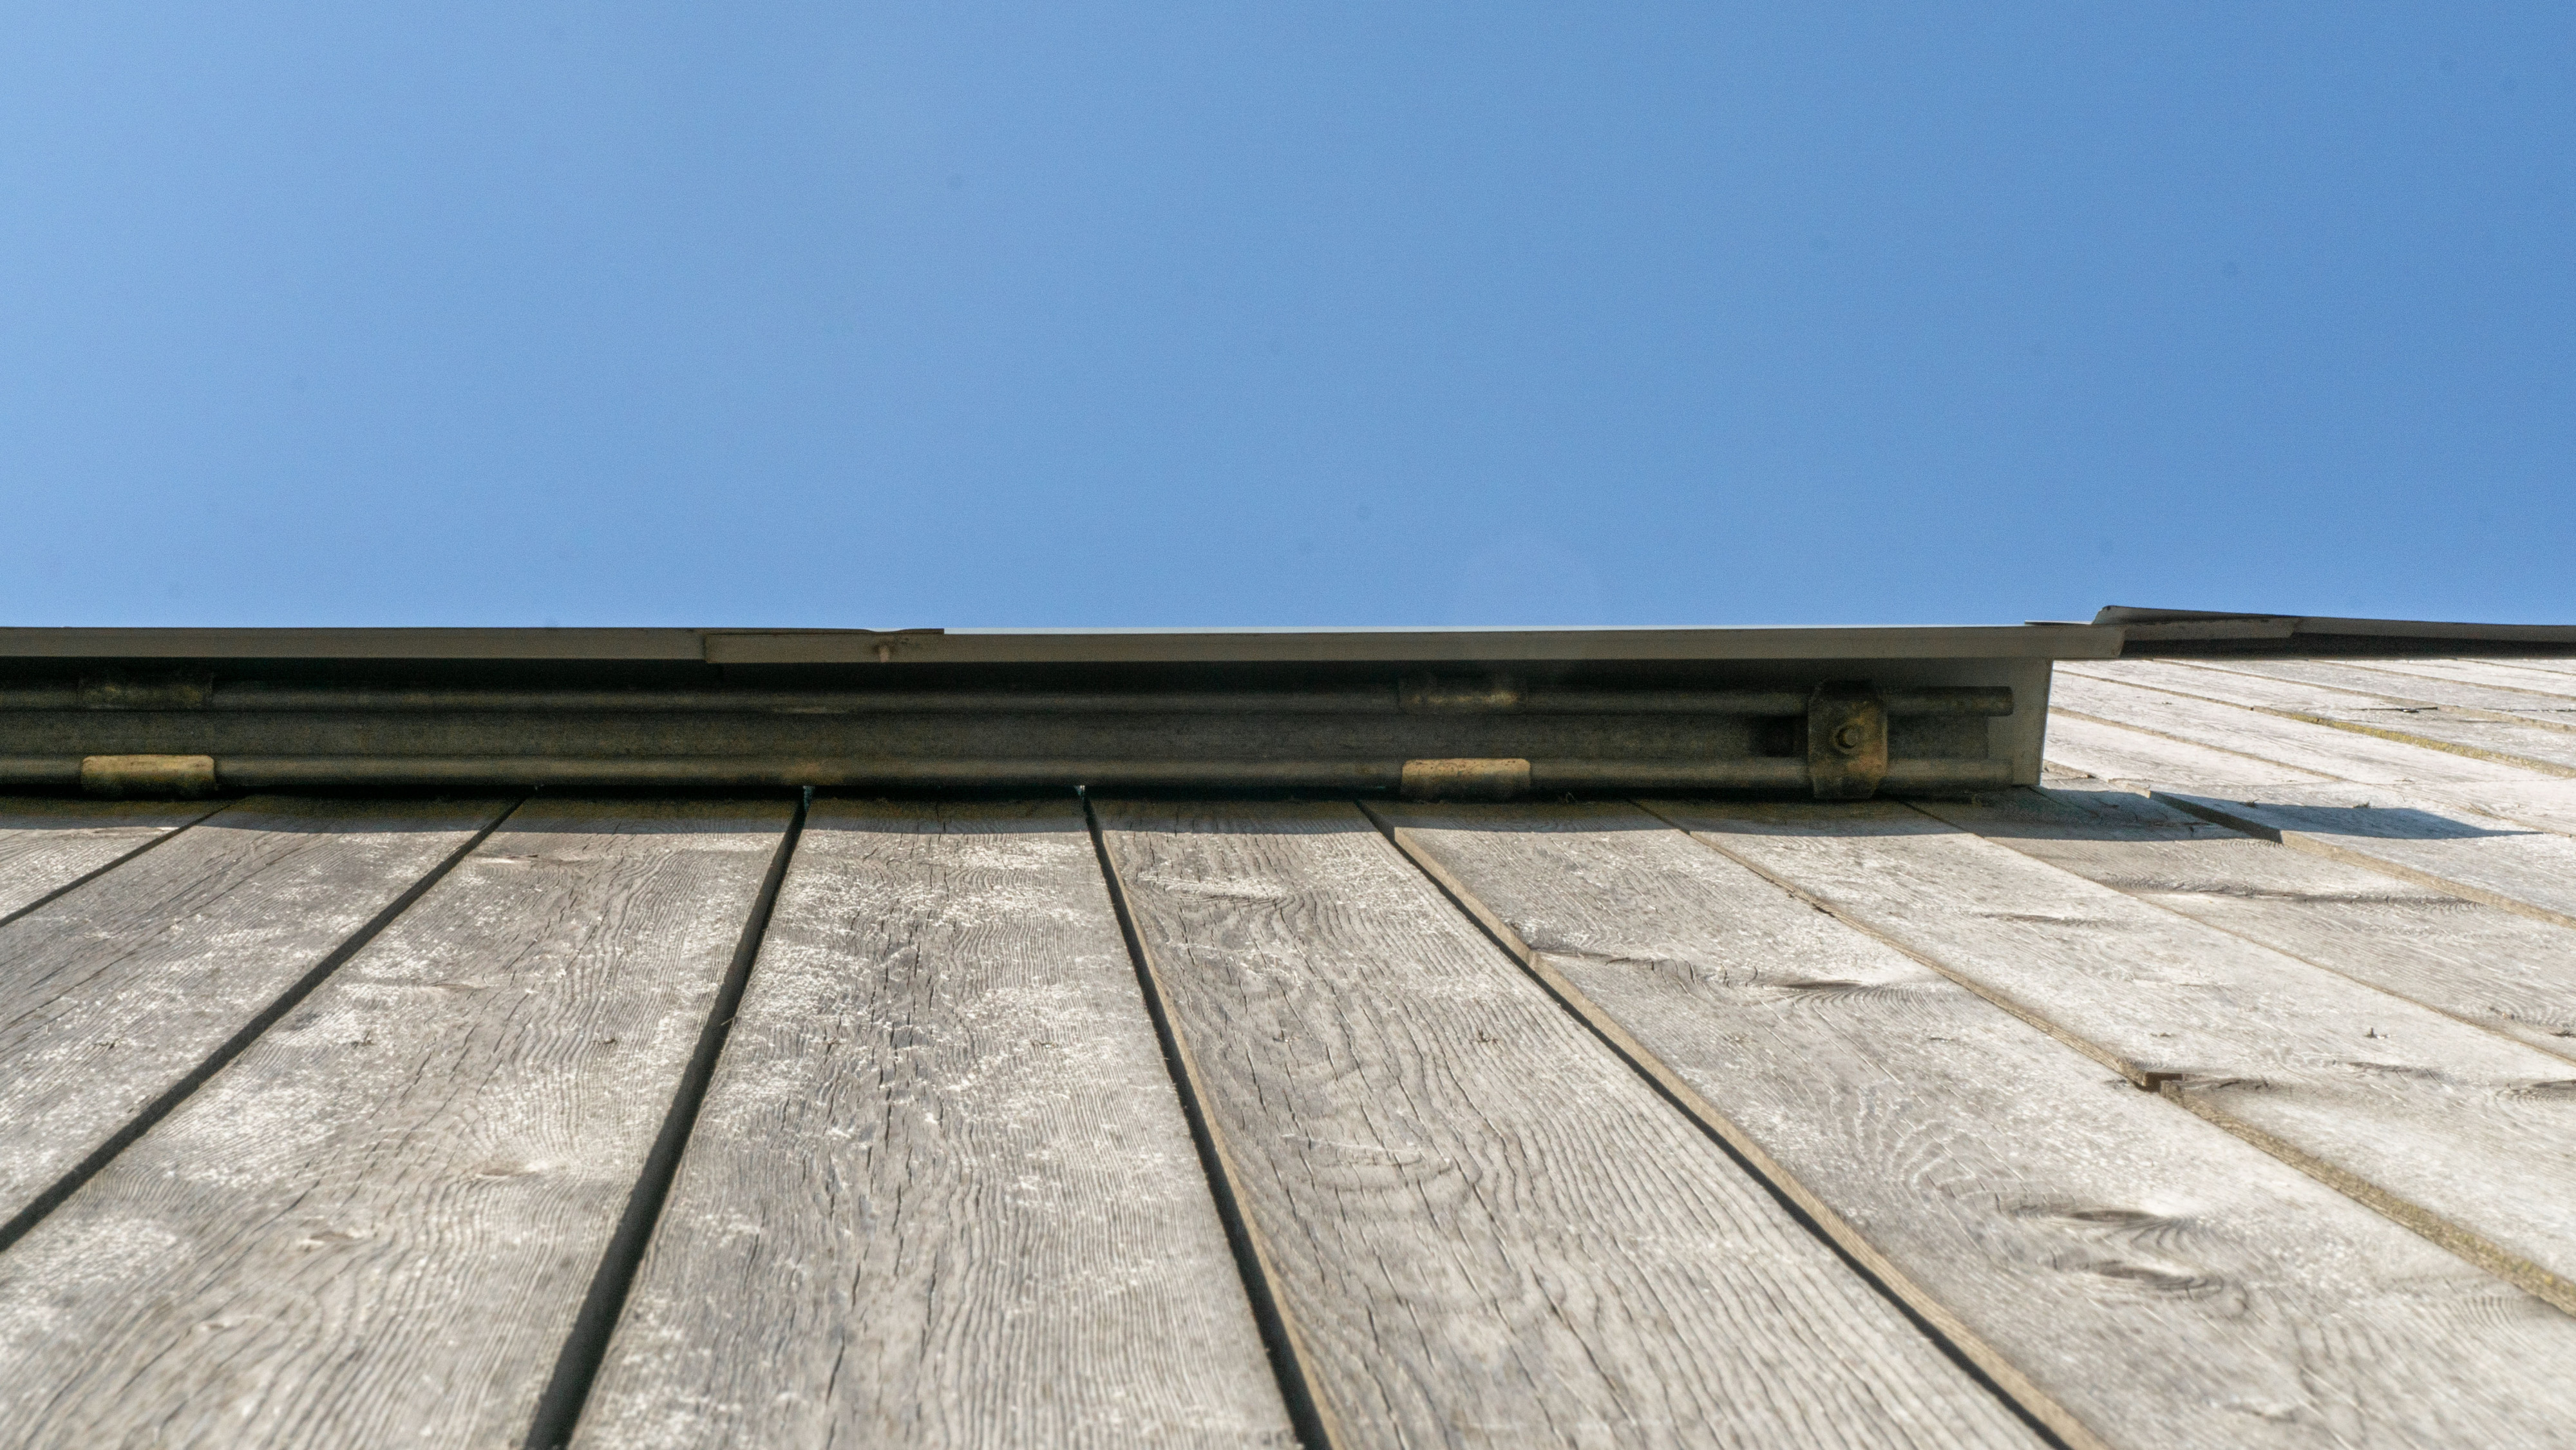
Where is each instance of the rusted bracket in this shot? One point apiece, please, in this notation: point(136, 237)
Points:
point(1846, 740)
point(1465, 780)
point(148, 776)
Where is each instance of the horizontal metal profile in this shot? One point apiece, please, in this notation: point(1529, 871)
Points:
point(125, 695)
point(277, 772)
point(1469, 711)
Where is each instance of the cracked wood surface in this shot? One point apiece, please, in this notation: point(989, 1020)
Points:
point(941, 1192)
point(2459, 1133)
point(1481, 1226)
point(2149, 1278)
point(376, 1226)
point(2484, 965)
point(115, 993)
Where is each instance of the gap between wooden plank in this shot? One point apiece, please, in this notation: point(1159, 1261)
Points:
point(1423, 1142)
point(110, 1122)
point(380, 1219)
point(2416, 739)
point(1952, 1335)
point(559, 1404)
point(2367, 827)
point(2242, 1035)
point(2166, 1276)
point(2417, 940)
point(19, 874)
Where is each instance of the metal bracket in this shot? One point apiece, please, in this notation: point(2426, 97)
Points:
point(1465, 780)
point(148, 776)
point(1846, 740)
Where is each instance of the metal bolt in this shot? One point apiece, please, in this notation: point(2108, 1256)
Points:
point(1848, 739)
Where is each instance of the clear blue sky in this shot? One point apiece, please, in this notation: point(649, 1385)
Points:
point(1207, 314)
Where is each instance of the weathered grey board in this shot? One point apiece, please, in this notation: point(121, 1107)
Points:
point(46, 845)
point(377, 1225)
point(2459, 1133)
point(2518, 702)
point(2491, 967)
point(117, 992)
point(940, 1192)
point(2134, 1273)
point(2419, 837)
point(2115, 752)
point(2548, 804)
point(1482, 1227)
point(2548, 677)
point(2345, 754)
point(2497, 737)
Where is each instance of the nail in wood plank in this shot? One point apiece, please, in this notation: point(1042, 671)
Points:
point(1480, 1225)
point(46, 845)
point(2137, 1274)
point(2456, 1132)
point(940, 1192)
point(121, 990)
point(377, 1225)
point(2494, 968)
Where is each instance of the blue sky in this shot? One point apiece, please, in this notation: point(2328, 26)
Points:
point(1209, 314)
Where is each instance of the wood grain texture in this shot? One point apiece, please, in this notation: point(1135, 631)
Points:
point(377, 1224)
point(2493, 968)
point(941, 1192)
point(2459, 1133)
point(2485, 734)
point(2552, 677)
point(2115, 752)
point(46, 845)
point(117, 992)
point(2150, 1278)
point(2511, 701)
point(2420, 837)
point(1481, 1227)
point(2344, 754)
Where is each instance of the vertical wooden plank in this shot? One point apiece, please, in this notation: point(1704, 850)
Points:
point(941, 1192)
point(2115, 752)
point(2151, 1278)
point(2484, 734)
point(1481, 1227)
point(2497, 969)
point(2458, 1133)
point(2418, 837)
point(120, 992)
point(2344, 754)
point(377, 1225)
point(2520, 697)
point(47, 845)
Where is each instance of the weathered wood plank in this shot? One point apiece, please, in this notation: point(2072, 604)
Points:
point(941, 1192)
point(47, 845)
point(2554, 678)
point(2486, 966)
point(2456, 1132)
point(2116, 752)
point(2409, 834)
point(2345, 754)
point(2516, 702)
point(2486, 734)
point(120, 992)
point(1481, 1227)
point(378, 1224)
point(2135, 1272)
